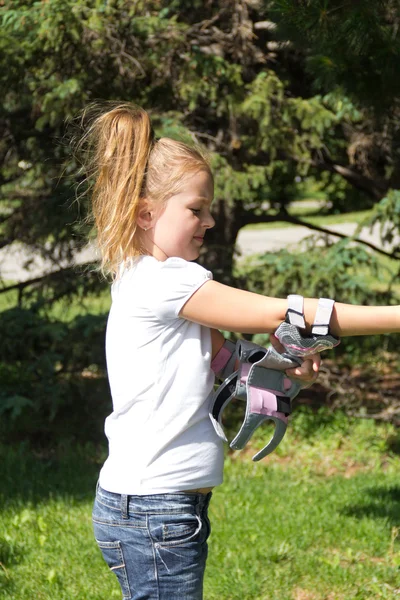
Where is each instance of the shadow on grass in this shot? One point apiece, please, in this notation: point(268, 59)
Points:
point(28, 477)
point(380, 503)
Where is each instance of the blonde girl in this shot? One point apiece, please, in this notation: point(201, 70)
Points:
point(151, 202)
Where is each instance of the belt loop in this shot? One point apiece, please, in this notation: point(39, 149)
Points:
point(124, 506)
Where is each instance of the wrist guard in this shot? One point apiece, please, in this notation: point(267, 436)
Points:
point(261, 382)
point(297, 342)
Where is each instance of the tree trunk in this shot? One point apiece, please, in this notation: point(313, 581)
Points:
point(219, 246)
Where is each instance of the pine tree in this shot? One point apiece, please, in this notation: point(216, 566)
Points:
point(275, 91)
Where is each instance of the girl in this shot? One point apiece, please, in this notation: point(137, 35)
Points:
point(151, 203)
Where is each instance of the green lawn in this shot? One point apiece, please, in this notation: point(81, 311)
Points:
point(318, 520)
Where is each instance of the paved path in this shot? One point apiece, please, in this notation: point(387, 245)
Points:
point(13, 259)
point(252, 241)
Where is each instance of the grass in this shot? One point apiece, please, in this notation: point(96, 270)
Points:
point(317, 520)
point(66, 310)
point(8, 299)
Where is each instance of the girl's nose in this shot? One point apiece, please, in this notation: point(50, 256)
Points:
point(209, 221)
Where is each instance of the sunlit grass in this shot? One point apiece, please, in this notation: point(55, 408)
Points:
point(317, 519)
point(66, 311)
point(8, 299)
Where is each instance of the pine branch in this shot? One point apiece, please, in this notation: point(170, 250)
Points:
point(46, 278)
point(373, 188)
point(296, 221)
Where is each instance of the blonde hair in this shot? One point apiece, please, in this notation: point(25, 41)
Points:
point(125, 164)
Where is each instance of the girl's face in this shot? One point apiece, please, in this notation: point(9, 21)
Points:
point(179, 229)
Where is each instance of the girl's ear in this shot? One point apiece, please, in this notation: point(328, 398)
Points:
point(145, 215)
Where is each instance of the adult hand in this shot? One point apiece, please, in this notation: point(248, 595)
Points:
point(307, 372)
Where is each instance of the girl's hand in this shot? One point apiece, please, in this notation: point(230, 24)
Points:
point(307, 372)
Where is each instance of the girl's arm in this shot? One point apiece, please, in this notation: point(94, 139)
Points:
point(217, 341)
point(220, 306)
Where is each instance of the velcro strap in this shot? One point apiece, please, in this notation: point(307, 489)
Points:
point(264, 357)
point(323, 316)
point(223, 363)
point(283, 405)
point(295, 311)
point(268, 379)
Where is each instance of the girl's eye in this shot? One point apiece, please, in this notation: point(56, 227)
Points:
point(195, 211)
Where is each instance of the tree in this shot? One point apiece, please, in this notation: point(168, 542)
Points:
point(355, 48)
point(226, 74)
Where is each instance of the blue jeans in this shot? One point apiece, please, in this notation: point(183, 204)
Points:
point(156, 545)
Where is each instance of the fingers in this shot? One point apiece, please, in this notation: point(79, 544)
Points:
point(308, 370)
point(316, 362)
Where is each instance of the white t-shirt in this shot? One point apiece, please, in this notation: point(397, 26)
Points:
point(160, 435)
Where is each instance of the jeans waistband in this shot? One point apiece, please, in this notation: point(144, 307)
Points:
point(169, 502)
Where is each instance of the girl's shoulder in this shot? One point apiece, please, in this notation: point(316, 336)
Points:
point(148, 268)
point(160, 286)
point(181, 269)
point(172, 264)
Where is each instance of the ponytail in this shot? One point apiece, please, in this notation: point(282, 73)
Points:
point(119, 142)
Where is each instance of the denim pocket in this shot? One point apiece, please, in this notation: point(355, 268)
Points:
point(174, 529)
point(114, 557)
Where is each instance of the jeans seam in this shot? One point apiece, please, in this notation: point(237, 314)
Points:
point(154, 557)
point(112, 507)
point(172, 544)
point(118, 524)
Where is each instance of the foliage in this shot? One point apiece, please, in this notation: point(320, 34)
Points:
point(354, 45)
point(353, 49)
point(335, 270)
point(218, 80)
point(231, 75)
point(386, 215)
point(52, 374)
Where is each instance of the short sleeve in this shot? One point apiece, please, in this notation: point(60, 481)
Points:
point(177, 279)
